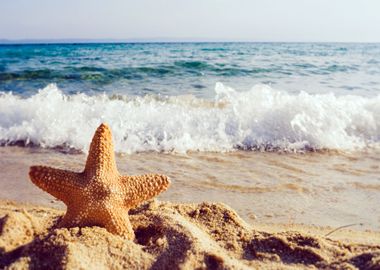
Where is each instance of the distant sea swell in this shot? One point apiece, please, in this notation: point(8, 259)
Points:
point(178, 68)
point(106, 75)
point(262, 118)
point(103, 75)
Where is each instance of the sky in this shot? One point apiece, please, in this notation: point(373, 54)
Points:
point(228, 20)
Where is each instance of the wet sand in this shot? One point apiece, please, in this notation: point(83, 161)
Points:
point(323, 189)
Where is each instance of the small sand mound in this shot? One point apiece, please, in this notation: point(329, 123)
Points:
point(169, 236)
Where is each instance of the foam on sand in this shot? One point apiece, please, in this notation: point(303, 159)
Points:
point(172, 236)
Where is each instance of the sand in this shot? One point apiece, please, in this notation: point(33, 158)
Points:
point(178, 236)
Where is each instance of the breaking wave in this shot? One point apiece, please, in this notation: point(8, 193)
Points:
point(260, 119)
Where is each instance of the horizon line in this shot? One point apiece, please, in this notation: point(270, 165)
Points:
point(154, 40)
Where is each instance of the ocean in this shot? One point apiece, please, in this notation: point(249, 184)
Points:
point(282, 132)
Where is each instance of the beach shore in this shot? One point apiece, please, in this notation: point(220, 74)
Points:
point(322, 188)
point(178, 236)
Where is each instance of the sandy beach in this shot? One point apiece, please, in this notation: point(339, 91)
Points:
point(95, 231)
point(204, 233)
point(178, 236)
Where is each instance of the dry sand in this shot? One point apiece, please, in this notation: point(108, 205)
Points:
point(178, 236)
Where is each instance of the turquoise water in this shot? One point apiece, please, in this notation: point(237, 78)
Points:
point(180, 97)
point(190, 68)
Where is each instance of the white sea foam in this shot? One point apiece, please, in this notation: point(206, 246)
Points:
point(262, 118)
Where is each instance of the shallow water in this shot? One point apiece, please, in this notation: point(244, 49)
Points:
point(320, 188)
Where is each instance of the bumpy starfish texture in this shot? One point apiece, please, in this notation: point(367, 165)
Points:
point(99, 196)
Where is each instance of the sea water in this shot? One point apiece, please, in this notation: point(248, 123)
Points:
point(283, 132)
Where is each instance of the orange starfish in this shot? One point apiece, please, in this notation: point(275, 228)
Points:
point(99, 196)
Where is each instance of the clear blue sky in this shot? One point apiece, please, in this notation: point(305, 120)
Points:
point(248, 20)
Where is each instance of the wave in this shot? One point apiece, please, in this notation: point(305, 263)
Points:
point(260, 119)
point(108, 75)
point(104, 76)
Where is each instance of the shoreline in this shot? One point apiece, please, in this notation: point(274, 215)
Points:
point(323, 189)
point(208, 235)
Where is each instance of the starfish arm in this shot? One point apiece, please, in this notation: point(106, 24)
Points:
point(72, 218)
point(143, 187)
point(118, 223)
point(59, 183)
point(101, 155)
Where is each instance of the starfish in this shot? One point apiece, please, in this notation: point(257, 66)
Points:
point(99, 196)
